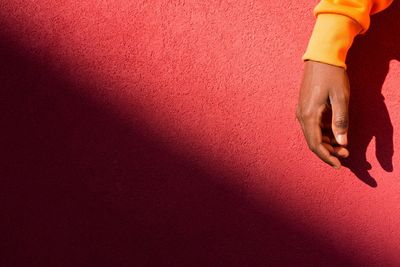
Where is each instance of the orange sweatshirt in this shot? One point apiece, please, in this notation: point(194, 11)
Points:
point(338, 23)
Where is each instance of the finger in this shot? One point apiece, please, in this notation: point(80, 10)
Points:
point(313, 136)
point(326, 139)
point(328, 147)
point(334, 142)
point(340, 152)
point(337, 151)
point(329, 138)
point(340, 119)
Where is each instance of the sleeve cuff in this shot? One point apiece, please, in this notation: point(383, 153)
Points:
point(331, 39)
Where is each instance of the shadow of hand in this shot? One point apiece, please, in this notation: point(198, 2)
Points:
point(368, 66)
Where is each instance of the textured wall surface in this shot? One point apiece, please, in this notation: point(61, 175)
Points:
point(162, 133)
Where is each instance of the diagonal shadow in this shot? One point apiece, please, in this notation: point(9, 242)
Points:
point(368, 66)
point(81, 186)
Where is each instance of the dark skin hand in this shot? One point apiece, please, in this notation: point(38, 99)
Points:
point(322, 111)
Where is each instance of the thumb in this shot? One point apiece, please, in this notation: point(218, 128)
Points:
point(340, 119)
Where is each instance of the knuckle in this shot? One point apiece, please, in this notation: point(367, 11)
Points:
point(341, 121)
point(304, 115)
point(341, 95)
point(298, 114)
point(341, 98)
point(313, 148)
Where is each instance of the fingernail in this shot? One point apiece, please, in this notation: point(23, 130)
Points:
point(336, 167)
point(341, 139)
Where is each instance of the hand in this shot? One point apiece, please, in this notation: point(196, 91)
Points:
point(322, 110)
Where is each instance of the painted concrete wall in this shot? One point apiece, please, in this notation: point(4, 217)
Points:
point(162, 133)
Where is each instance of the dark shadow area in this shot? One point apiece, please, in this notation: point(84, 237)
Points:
point(81, 186)
point(368, 66)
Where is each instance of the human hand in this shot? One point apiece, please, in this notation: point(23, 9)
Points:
point(322, 110)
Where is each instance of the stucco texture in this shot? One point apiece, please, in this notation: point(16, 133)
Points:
point(163, 133)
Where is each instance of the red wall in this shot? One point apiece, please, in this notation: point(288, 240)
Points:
point(162, 133)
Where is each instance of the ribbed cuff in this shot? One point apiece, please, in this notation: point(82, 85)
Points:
point(331, 39)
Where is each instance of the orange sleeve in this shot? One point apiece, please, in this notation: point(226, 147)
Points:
point(338, 22)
